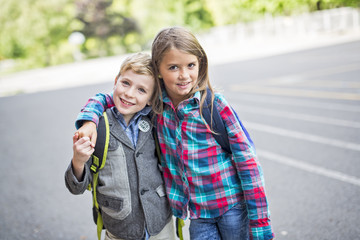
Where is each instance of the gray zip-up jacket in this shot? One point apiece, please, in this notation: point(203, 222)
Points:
point(131, 191)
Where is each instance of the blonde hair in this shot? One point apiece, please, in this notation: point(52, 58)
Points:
point(183, 40)
point(140, 63)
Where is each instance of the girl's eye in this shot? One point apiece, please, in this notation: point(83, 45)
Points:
point(191, 65)
point(142, 90)
point(173, 68)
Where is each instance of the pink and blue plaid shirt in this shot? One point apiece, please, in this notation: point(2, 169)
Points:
point(200, 176)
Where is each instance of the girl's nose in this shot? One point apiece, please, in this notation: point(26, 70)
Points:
point(184, 74)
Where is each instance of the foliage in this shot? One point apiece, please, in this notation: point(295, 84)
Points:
point(104, 26)
point(35, 33)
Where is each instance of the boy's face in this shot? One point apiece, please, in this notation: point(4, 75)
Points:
point(132, 92)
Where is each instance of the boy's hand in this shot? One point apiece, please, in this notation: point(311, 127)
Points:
point(82, 151)
point(88, 129)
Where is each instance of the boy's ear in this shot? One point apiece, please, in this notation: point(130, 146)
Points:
point(116, 79)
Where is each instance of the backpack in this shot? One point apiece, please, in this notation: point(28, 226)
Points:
point(218, 126)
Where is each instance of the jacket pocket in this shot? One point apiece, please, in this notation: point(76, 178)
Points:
point(114, 185)
point(112, 203)
point(114, 207)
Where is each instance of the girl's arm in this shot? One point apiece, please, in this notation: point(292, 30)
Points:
point(94, 108)
point(88, 118)
point(249, 172)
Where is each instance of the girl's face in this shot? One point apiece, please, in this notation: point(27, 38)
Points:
point(179, 71)
point(132, 92)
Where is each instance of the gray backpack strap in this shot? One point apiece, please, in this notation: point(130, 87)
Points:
point(218, 126)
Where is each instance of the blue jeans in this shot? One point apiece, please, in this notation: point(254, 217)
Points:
point(233, 225)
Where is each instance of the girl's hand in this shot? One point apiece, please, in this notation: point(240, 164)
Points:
point(88, 129)
point(82, 151)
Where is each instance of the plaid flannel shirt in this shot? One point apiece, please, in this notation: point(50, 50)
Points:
point(199, 175)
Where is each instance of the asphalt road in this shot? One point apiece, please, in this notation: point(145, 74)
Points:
point(302, 110)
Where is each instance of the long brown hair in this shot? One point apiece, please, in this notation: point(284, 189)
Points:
point(183, 40)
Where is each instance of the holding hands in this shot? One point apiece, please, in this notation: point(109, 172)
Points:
point(82, 150)
point(88, 129)
point(83, 146)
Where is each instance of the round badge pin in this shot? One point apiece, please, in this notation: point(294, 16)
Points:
point(144, 126)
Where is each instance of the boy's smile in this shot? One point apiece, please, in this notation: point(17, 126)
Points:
point(132, 92)
point(126, 103)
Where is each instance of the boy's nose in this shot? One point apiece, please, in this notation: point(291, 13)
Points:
point(130, 92)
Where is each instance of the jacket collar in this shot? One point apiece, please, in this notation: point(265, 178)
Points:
point(118, 132)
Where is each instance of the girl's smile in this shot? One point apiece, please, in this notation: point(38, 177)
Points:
point(179, 71)
point(183, 85)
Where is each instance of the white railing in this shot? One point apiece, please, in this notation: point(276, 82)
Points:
point(336, 20)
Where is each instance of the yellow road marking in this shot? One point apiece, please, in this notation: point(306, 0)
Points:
point(333, 70)
point(320, 83)
point(300, 77)
point(295, 92)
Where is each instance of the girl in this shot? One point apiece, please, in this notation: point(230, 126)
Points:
point(223, 192)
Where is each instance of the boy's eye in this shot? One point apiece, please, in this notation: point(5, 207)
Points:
point(125, 83)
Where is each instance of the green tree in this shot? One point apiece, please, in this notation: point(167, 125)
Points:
point(197, 15)
point(34, 31)
point(104, 25)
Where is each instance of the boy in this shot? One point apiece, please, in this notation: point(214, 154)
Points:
point(131, 192)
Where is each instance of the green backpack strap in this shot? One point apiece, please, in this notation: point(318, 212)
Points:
point(179, 226)
point(99, 159)
point(179, 222)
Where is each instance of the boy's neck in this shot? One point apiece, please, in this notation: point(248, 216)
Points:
point(128, 118)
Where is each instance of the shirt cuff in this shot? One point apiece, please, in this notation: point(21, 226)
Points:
point(86, 116)
point(261, 233)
